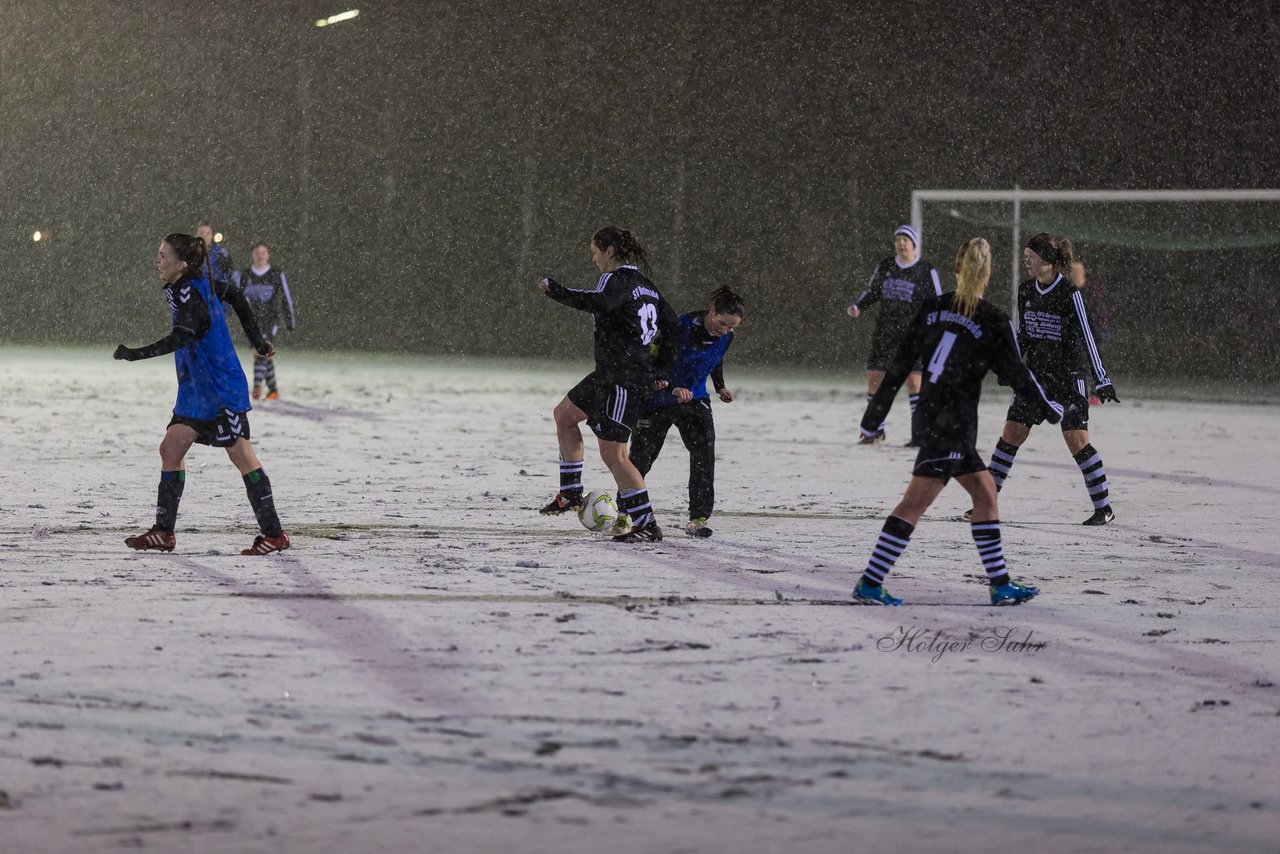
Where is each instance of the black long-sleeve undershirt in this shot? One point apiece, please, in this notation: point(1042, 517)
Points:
point(192, 320)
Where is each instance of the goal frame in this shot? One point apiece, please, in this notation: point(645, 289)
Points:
point(1017, 196)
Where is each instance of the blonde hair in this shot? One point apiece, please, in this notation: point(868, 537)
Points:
point(973, 271)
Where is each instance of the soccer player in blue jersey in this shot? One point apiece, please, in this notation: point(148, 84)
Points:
point(213, 396)
point(705, 336)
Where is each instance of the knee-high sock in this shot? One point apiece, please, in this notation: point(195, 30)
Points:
point(258, 487)
point(635, 503)
point(1095, 476)
point(893, 540)
point(986, 536)
point(167, 498)
point(269, 374)
point(571, 478)
point(1001, 461)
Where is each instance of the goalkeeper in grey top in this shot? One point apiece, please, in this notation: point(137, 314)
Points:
point(901, 284)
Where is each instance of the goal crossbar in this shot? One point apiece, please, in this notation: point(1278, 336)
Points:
point(1017, 196)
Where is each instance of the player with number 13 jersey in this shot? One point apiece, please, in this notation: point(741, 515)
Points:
point(630, 315)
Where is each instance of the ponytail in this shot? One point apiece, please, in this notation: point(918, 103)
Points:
point(973, 271)
point(190, 249)
point(725, 300)
point(1055, 251)
point(1066, 255)
point(625, 246)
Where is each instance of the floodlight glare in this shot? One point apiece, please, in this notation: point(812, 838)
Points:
point(38, 236)
point(217, 238)
point(338, 18)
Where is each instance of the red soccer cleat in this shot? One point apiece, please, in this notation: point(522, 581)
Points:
point(264, 545)
point(153, 539)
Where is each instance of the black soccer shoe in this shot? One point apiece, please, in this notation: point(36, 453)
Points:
point(697, 527)
point(563, 504)
point(1101, 516)
point(649, 533)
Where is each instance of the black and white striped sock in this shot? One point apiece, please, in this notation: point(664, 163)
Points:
point(1002, 461)
point(913, 399)
point(986, 536)
point(571, 478)
point(869, 397)
point(1095, 476)
point(893, 540)
point(635, 503)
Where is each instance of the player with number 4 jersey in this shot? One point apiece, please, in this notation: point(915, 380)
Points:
point(959, 336)
point(629, 315)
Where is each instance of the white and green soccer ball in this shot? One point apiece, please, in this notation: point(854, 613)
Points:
point(598, 511)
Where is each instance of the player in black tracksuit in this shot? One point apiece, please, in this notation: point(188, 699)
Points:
point(1055, 336)
point(705, 337)
point(901, 284)
point(958, 337)
point(267, 290)
point(629, 314)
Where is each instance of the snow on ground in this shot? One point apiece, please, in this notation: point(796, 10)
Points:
point(434, 666)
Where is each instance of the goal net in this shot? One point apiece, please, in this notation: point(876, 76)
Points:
point(1189, 279)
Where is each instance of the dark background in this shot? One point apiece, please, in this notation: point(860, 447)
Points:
point(418, 168)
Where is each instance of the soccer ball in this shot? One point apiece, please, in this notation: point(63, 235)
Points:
point(597, 511)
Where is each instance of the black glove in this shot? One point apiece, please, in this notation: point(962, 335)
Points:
point(122, 352)
point(1106, 394)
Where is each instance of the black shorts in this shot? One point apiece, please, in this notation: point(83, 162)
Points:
point(944, 465)
point(220, 432)
point(1073, 396)
point(884, 346)
point(612, 410)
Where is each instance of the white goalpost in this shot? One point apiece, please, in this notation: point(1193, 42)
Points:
point(1017, 197)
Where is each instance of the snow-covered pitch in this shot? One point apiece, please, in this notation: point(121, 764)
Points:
point(434, 666)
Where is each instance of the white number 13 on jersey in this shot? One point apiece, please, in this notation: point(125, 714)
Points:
point(940, 355)
point(648, 323)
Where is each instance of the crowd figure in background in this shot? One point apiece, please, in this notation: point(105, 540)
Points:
point(220, 265)
point(901, 283)
point(267, 290)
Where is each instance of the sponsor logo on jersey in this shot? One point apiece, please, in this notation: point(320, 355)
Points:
point(898, 289)
point(1043, 325)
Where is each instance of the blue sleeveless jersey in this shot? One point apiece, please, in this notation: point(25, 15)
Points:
point(210, 378)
